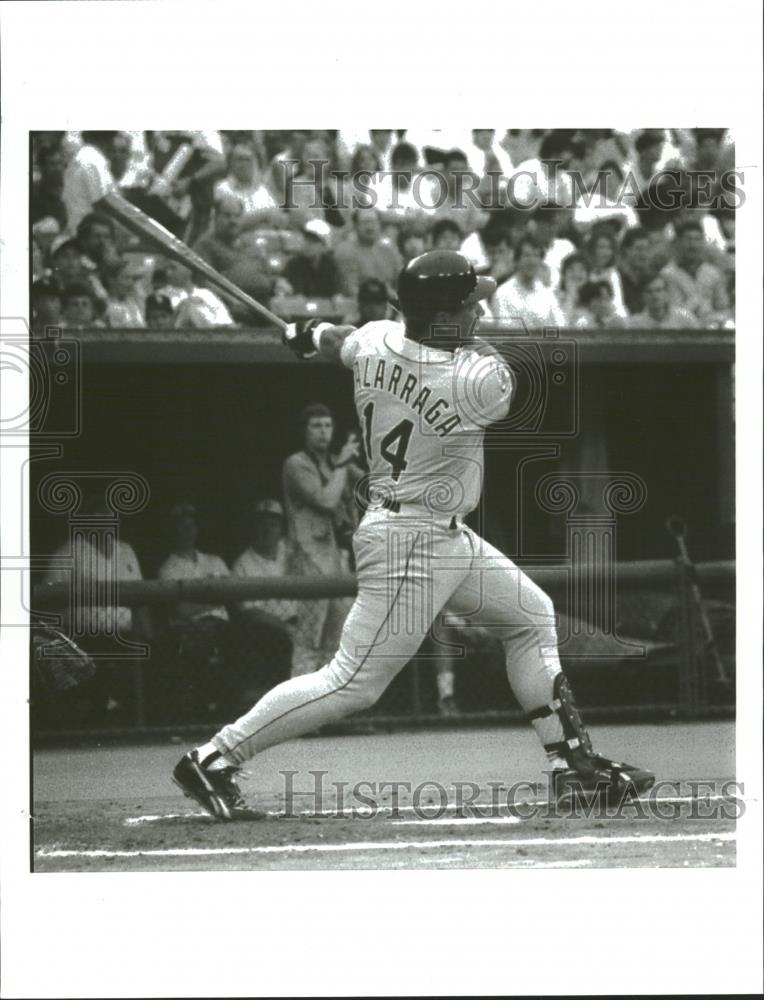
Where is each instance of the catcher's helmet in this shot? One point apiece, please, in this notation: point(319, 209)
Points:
point(440, 280)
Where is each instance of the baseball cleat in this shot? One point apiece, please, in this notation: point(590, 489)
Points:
point(216, 791)
point(602, 780)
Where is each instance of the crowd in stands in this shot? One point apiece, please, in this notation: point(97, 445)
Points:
point(580, 227)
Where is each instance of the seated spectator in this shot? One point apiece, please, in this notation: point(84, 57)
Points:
point(44, 233)
point(199, 631)
point(373, 301)
point(160, 314)
point(46, 200)
point(485, 156)
point(87, 177)
point(659, 313)
point(525, 301)
point(245, 184)
point(95, 239)
point(574, 273)
point(446, 235)
point(267, 624)
point(596, 307)
point(82, 310)
point(221, 248)
point(453, 198)
point(314, 272)
point(648, 152)
point(364, 254)
point(195, 308)
point(608, 199)
point(693, 282)
point(602, 251)
point(500, 253)
point(634, 268)
point(546, 225)
point(545, 178)
point(405, 196)
point(67, 265)
point(410, 245)
point(124, 306)
point(47, 306)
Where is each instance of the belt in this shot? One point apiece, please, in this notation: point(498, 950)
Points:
point(395, 507)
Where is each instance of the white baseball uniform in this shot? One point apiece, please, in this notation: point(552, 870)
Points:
point(423, 413)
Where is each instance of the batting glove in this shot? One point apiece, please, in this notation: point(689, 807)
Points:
point(298, 337)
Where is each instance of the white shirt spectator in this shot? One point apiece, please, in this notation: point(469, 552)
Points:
point(199, 566)
point(483, 161)
point(86, 179)
point(199, 309)
point(255, 198)
point(251, 564)
point(554, 257)
point(89, 569)
point(514, 303)
point(531, 185)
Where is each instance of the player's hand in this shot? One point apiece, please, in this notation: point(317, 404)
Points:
point(298, 337)
point(349, 450)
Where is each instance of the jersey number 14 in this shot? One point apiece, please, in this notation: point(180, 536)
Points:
point(393, 445)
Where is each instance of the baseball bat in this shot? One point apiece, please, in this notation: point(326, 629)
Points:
point(677, 528)
point(148, 229)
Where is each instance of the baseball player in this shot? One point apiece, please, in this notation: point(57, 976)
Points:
point(425, 390)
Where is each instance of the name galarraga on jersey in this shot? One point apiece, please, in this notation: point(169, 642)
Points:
point(371, 374)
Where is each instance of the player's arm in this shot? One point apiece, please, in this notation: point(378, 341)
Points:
point(311, 337)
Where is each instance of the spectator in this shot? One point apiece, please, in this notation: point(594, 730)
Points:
point(95, 239)
point(67, 265)
point(524, 300)
point(602, 256)
point(364, 254)
point(546, 224)
point(221, 248)
point(81, 307)
point(47, 191)
point(160, 314)
point(268, 625)
point(373, 301)
point(454, 200)
point(692, 281)
point(501, 254)
point(188, 164)
point(634, 268)
point(404, 195)
point(124, 306)
point(709, 153)
point(382, 146)
point(608, 199)
point(47, 306)
point(318, 491)
point(195, 308)
point(485, 156)
point(314, 272)
point(410, 245)
point(574, 273)
point(597, 311)
point(544, 179)
point(44, 233)
point(446, 235)
point(244, 184)
point(648, 149)
point(199, 631)
point(87, 177)
point(659, 313)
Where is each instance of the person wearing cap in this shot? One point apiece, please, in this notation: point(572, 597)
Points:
point(373, 301)
point(314, 272)
point(269, 623)
point(199, 631)
point(160, 314)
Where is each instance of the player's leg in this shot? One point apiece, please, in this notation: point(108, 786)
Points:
point(496, 594)
point(398, 598)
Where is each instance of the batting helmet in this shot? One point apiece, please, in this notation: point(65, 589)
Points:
point(439, 281)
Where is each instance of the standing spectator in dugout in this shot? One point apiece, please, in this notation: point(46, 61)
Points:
point(364, 254)
point(266, 625)
point(198, 631)
point(321, 516)
point(693, 282)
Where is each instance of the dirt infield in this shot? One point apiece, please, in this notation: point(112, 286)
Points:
point(434, 799)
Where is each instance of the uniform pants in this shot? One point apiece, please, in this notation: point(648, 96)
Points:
point(408, 571)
